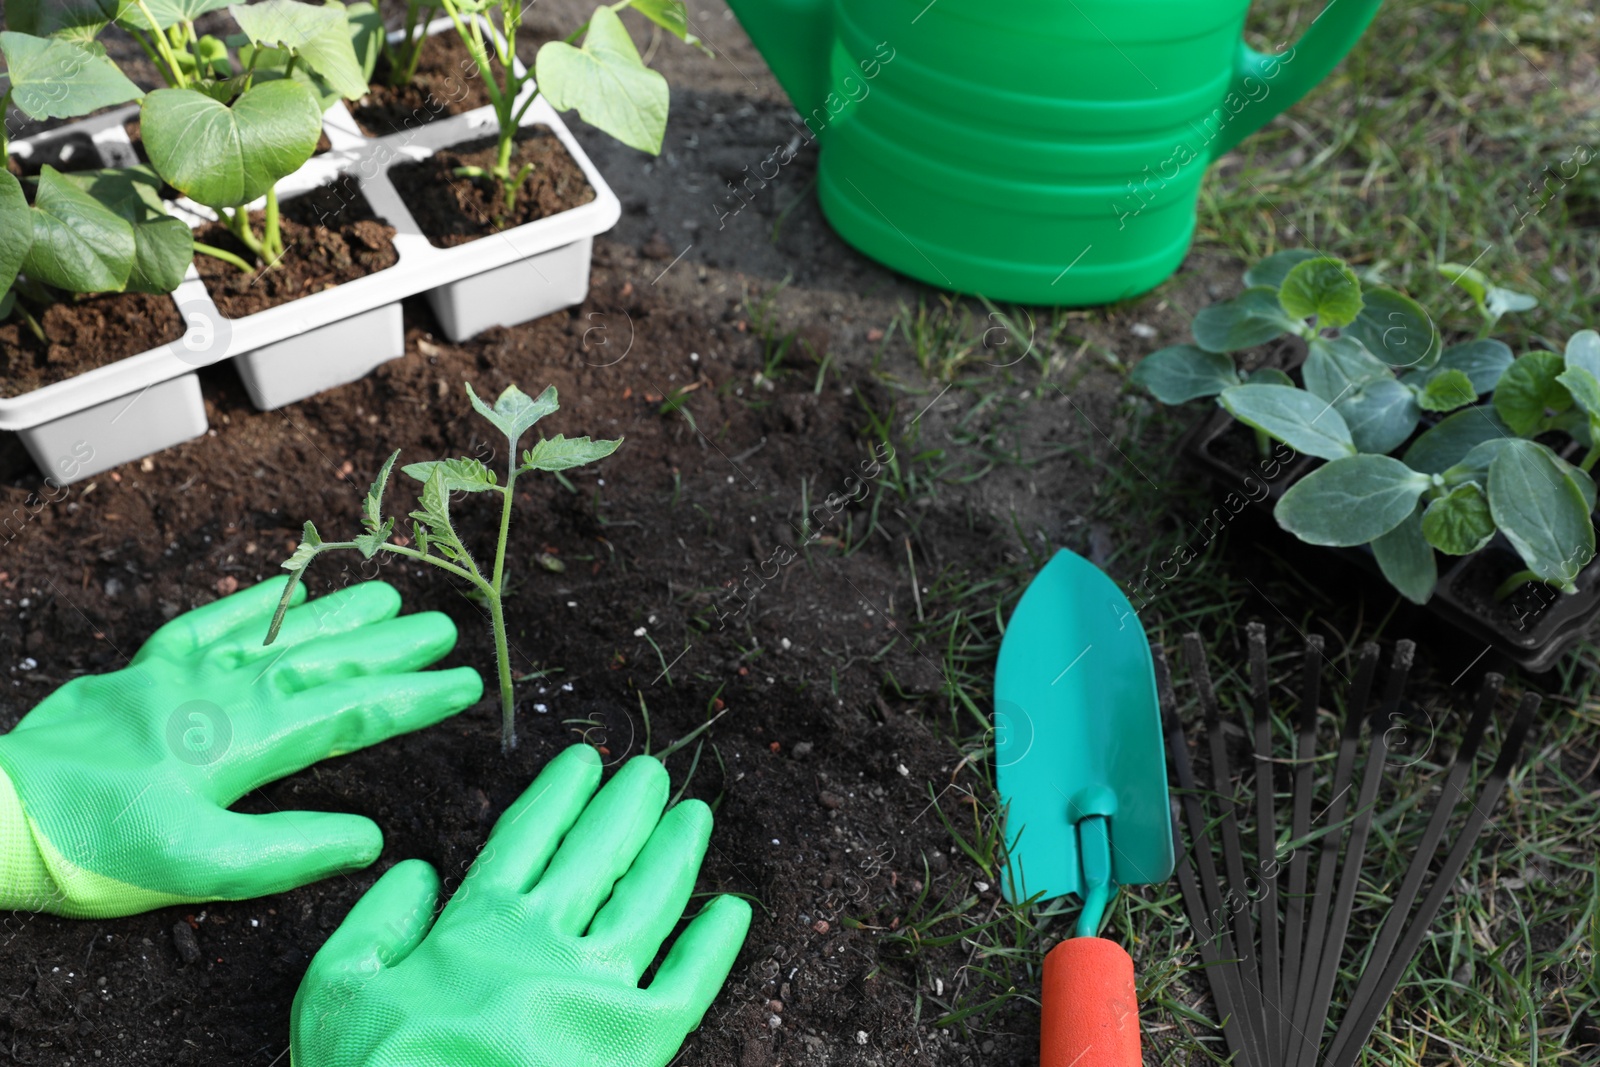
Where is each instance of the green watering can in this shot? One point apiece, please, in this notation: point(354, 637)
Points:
point(1037, 151)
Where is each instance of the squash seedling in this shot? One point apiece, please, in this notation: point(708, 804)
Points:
point(1375, 371)
point(605, 79)
point(435, 539)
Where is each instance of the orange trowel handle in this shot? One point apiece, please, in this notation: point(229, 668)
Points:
point(1091, 1015)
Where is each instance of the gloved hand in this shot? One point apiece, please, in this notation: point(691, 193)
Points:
point(114, 791)
point(536, 960)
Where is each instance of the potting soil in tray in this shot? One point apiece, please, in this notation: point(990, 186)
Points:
point(447, 82)
point(455, 211)
point(74, 151)
point(330, 236)
point(82, 335)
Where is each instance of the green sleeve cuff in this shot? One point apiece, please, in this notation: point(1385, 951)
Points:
point(25, 882)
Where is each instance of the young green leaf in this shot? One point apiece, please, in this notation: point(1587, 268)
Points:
point(1541, 511)
point(670, 15)
point(1269, 376)
point(227, 156)
point(1380, 415)
point(1184, 372)
point(320, 36)
point(1337, 366)
point(1447, 390)
point(296, 564)
point(366, 34)
point(560, 453)
point(163, 245)
point(79, 21)
point(1252, 318)
point(1323, 288)
point(1396, 329)
point(607, 82)
point(1502, 300)
point(1350, 501)
point(514, 411)
point(1305, 422)
point(372, 504)
point(167, 13)
point(1474, 466)
point(435, 501)
point(1585, 390)
point(1583, 350)
point(1407, 560)
point(1528, 392)
point(8, 304)
point(1470, 279)
point(79, 244)
point(1271, 272)
point(16, 228)
point(1449, 442)
point(1459, 523)
point(56, 79)
point(465, 475)
point(369, 543)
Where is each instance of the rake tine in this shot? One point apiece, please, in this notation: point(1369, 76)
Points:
point(1223, 975)
point(1357, 1024)
point(1266, 846)
point(1355, 853)
point(1244, 937)
point(1327, 860)
point(1304, 785)
point(1221, 990)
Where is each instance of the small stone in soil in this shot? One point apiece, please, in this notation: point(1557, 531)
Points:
point(831, 801)
point(183, 939)
point(802, 750)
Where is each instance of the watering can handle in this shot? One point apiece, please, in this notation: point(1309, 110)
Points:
point(1269, 84)
point(1090, 1012)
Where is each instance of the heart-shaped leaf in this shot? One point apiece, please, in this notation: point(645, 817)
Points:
point(1184, 372)
point(515, 411)
point(1396, 329)
point(163, 245)
point(1541, 511)
point(319, 36)
point(1448, 443)
point(1271, 272)
point(560, 453)
point(1335, 367)
point(16, 229)
point(227, 156)
point(1252, 318)
point(79, 244)
point(607, 82)
point(167, 13)
point(1528, 392)
point(1380, 415)
point(1459, 523)
point(1306, 423)
point(1407, 560)
point(57, 79)
point(1350, 501)
point(1583, 350)
point(1446, 390)
point(1323, 288)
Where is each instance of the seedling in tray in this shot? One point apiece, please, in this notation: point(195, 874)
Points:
point(605, 78)
point(435, 539)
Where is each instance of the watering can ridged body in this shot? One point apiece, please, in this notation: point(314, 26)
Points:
point(1030, 150)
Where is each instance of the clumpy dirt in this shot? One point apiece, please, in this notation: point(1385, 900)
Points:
point(455, 211)
point(330, 236)
point(82, 334)
point(71, 152)
point(819, 768)
point(447, 82)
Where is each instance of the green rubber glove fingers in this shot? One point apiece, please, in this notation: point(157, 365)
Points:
point(536, 960)
point(114, 791)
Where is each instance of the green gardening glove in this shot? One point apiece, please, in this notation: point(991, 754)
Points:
point(536, 960)
point(114, 791)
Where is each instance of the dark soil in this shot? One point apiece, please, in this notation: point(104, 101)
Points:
point(70, 152)
point(819, 770)
point(84, 334)
point(447, 82)
point(455, 211)
point(330, 236)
